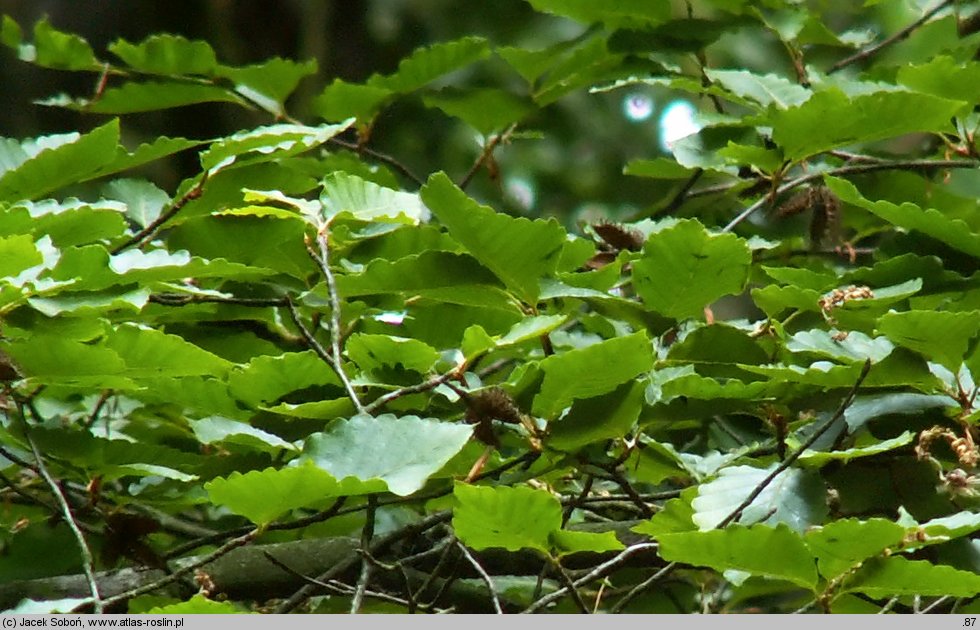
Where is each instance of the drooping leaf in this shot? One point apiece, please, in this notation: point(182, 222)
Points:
point(630, 13)
point(855, 346)
point(143, 200)
point(773, 552)
point(931, 222)
point(865, 408)
point(567, 542)
point(591, 371)
point(429, 63)
point(147, 96)
point(369, 202)
point(266, 143)
point(764, 89)
point(402, 452)
point(167, 54)
point(938, 335)
point(68, 162)
point(509, 517)
point(518, 251)
point(684, 268)
point(60, 50)
point(217, 429)
point(897, 575)
point(371, 352)
point(147, 352)
point(820, 458)
point(485, 109)
point(265, 379)
point(841, 545)
point(199, 605)
point(593, 419)
point(262, 496)
point(831, 119)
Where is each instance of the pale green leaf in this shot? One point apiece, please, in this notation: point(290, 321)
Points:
point(403, 452)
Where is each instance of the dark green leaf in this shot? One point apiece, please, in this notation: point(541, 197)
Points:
point(518, 251)
point(167, 54)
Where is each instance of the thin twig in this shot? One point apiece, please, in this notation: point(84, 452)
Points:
point(367, 533)
point(596, 573)
point(379, 156)
point(322, 259)
point(147, 233)
point(642, 587)
point(170, 299)
point(888, 605)
point(88, 561)
point(679, 197)
point(224, 549)
point(851, 169)
point(900, 35)
point(570, 585)
point(762, 485)
point(928, 609)
point(484, 576)
point(432, 383)
point(485, 155)
point(379, 544)
point(94, 416)
point(212, 539)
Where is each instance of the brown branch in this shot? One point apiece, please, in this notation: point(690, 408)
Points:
point(432, 383)
point(762, 485)
point(147, 233)
point(900, 35)
point(171, 299)
point(483, 576)
point(851, 169)
point(485, 155)
point(381, 157)
point(367, 533)
point(642, 587)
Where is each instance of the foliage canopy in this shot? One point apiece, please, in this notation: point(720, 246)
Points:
point(756, 393)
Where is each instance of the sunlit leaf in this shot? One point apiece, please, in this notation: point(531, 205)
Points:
point(511, 518)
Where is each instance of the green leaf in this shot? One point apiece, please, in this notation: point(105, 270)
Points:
point(371, 352)
point(60, 50)
point(772, 552)
point(841, 545)
point(148, 352)
point(262, 496)
point(267, 143)
point(429, 63)
point(443, 276)
point(217, 429)
point(944, 76)
point(615, 13)
point(831, 119)
point(167, 54)
point(897, 575)
point(143, 200)
point(17, 253)
point(676, 516)
point(199, 605)
point(954, 232)
point(764, 89)
point(938, 335)
point(403, 452)
point(820, 458)
point(518, 251)
point(591, 371)
point(512, 518)
point(274, 78)
point(684, 268)
point(865, 408)
point(659, 168)
point(594, 419)
point(369, 202)
point(49, 359)
point(485, 109)
point(147, 96)
point(341, 100)
point(267, 378)
point(856, 346)
point(568, 542)
point(795, 497)
point(47, 170)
